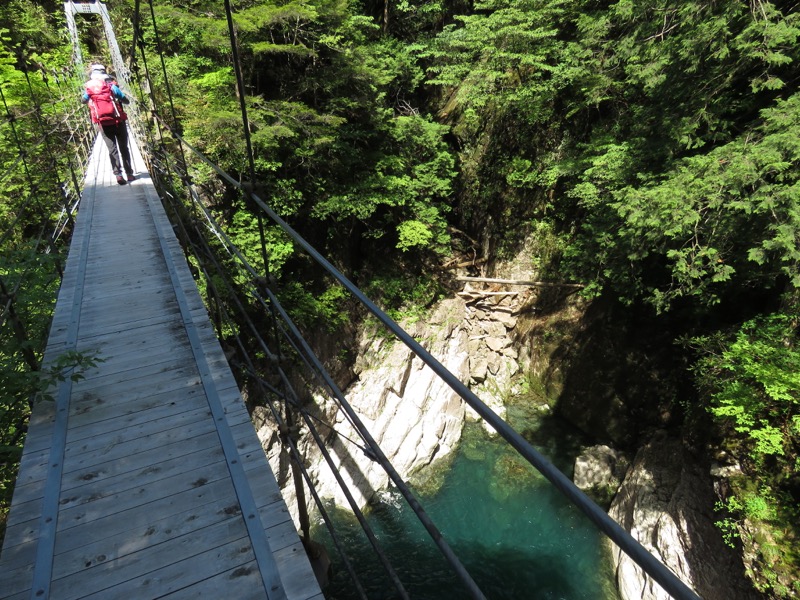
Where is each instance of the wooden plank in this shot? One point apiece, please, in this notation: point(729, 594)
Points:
point(211, 498)
point(33, 469)
point(137, 450)
point(119, 337)
point(113, 383)
point(138, 438)
point(168, 407)
point(296, 574)
point(168, 316)
point(119, 476)
point(131, 311)
point(166, 563)
point(134, 392)
point(133, 472)
point(141, 497)
point(20, 558)
point(97, 552)
point(107, 449)
point(23, 530)
point(119, 364)
point(87, 413)
point(192, 476)
point(241, 582)
point(18, 580)
point(278, 524)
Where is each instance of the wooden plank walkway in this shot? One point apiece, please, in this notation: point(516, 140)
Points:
point(145, 479)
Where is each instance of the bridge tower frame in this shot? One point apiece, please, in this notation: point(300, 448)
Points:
point(95, 7)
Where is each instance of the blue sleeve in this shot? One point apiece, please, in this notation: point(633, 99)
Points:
point(85, 98)
point(117, 92)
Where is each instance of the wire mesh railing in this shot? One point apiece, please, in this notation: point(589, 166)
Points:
point(43, 157)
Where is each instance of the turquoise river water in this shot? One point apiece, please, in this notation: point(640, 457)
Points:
point(517, 536)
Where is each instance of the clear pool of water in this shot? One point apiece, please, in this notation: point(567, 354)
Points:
point(516, 535)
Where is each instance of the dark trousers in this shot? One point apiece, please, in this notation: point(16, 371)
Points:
point(116, 139)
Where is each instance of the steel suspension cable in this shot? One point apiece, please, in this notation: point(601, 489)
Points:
point(237, 67)
point(613, 530)
point(73, 175)
point(251, 369)
point(430, 527)
point(21, 151)
point(317, 500)
point(166, 80)
point(48, 150)
point(234, 252)
point(37, 111)
point(660, 573)
point(222, 273)
point(294, 402)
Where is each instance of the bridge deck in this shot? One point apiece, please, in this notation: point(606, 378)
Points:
point(145, 478)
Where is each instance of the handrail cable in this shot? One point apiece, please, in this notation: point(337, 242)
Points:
point(53, 161)
point(365, 525)
point(73, 174)
point(41, 140)
point(250, 370)
point(37, 113)
point(660, 573)
point(616, 533)
point(14, 135)
point(377, 453)
point(167, 85)
point(254, 291)
point(237, 68)
point(233, 251)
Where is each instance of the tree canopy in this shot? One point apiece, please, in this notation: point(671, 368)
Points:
point(654, 143)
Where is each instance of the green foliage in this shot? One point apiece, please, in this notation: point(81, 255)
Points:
point(751, 379)
point(761, 522)
point(35, 147)
point(404, 296)
point(755, 383)
point(407, 185)
point(618, 120)
point(69, 365)
point(728, 216)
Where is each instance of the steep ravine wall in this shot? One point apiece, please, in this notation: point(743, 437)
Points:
point(665, 499)
point(504, 344)
point(412, 414)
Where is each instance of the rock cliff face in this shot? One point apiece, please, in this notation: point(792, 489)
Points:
point(411, 413)
point(599, 471)
point(414, 416)
point(666, 502)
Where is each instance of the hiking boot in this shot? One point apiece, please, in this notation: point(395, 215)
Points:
point(121, 180)
point(131, 176)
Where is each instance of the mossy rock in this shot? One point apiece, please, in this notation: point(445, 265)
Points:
point(511, 474)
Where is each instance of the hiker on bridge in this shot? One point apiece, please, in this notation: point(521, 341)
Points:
point(105, 101)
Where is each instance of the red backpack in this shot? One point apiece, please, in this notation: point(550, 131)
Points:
point(105, 109)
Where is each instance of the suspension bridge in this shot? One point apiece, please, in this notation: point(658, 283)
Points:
point(145, 477)
point(142, 476)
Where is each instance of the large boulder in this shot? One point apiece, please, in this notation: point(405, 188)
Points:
point(599, 471)
point(666, 502)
